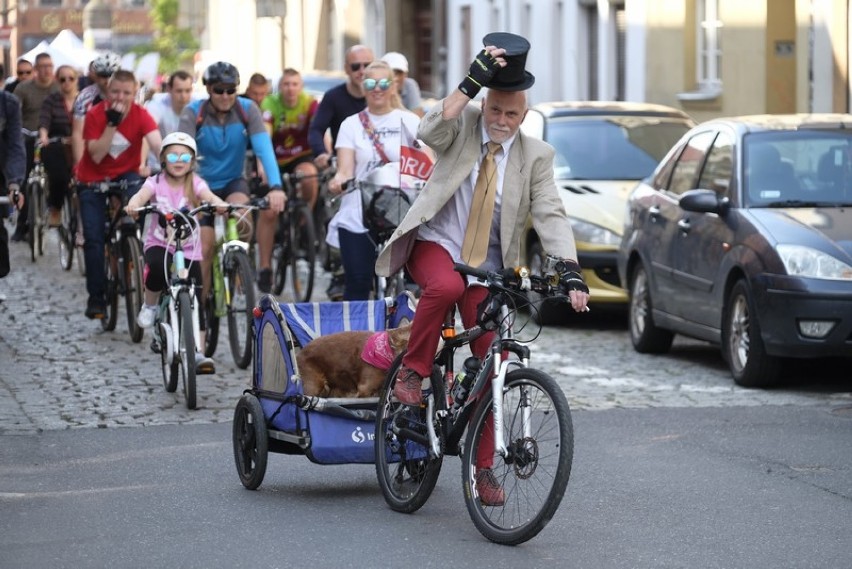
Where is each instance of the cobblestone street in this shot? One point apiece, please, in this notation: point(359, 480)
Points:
point(59, 370)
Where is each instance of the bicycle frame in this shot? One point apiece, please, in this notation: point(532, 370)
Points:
point(227, 239)
point(180, 282)
point(456, 423)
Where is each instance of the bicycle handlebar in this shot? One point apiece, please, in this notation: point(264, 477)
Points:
point(517, 279)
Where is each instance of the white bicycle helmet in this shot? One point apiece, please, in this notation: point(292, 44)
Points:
point(106, 64)
point(178, 138)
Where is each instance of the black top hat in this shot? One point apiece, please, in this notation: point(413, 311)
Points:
point(513, 77)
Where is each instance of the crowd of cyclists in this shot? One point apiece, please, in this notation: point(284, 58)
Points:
point(236, 145)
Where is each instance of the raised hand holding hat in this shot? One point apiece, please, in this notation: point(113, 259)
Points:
point(483, 68)
point(500, 66)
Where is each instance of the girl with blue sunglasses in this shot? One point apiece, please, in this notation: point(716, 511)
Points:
point(176, 187)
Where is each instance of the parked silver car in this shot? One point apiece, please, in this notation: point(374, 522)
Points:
point(743, 237)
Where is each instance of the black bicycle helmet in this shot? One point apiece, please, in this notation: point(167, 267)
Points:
point(221, 72)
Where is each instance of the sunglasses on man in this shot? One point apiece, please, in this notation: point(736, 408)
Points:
point(358, 65)
point(371, 84)
point(223, 90)
point(25, 72)
point(173, 157)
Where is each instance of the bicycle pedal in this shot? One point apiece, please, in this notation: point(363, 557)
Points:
point(155, 347)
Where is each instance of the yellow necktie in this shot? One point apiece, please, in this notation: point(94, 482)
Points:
point(475, 245)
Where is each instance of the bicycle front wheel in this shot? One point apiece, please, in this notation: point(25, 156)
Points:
point(110, 288)
point(539, 435)
point(302, 241)
point(66, 235)
point(133, 292)
point(186, 348)
point(32, 196)
point(241, 308)
point(169, 360)
point(406, 466)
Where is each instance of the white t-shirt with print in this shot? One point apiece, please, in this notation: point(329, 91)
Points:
point(352, 135)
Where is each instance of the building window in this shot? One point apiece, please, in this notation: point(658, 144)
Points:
point(709, 46)
point(50, 3)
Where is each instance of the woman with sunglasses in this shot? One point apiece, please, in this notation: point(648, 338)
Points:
point(55, 121)
point(177, 186)
point(366, 141)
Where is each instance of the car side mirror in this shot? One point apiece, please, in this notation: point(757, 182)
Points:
point(704, 201)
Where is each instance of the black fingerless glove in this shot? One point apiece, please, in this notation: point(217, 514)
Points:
point(113, 117)
point(570, 277)
point(482, 70)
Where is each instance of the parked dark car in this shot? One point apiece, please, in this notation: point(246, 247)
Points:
point(603, 148)
point(743, 237)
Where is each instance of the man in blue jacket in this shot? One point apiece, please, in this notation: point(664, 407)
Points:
point(224, 126)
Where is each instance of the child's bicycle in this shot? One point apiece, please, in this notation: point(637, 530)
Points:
point(176, 325)
point(232, 293)
point(533, 450)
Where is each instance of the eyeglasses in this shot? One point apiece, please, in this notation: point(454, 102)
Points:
point(172, 157)
point(223, 90)
point(27, 72)
point(358, 65)
point(383, 84)
point(67, 79)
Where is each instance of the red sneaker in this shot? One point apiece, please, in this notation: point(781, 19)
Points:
point(407, 387)
point(489, 490)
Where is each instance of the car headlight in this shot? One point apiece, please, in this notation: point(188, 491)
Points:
point(803, 261)
point(595, 234)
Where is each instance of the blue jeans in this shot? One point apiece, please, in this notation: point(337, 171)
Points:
point(358, 253)
point(93, 215)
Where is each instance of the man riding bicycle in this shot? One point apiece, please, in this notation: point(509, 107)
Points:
point(488, 179)
point(113, 133)
point(224, 126)
point(288, 115)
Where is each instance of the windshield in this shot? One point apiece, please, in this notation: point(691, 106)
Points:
point(798, 168)
point(611, 148)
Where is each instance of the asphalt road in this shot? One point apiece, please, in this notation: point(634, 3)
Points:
point(674, 465)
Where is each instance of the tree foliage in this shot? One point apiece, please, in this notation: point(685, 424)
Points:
point(176, 45)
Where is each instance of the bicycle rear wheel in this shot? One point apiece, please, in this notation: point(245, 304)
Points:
point(211, 339)
point(66, 235)
point(302, 254)
point(133, 293)
point(539, 435)
point(110, 289)
point(241, 309)
point(406, 467)
point(186, 348)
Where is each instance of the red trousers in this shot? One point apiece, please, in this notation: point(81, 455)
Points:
point(441, 287)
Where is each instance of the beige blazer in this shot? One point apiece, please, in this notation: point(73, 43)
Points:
point(528, 189)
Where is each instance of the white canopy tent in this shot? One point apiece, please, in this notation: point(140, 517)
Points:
point(67, 49)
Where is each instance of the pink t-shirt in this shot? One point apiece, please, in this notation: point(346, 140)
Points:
point(172, 198)
point(377, 351)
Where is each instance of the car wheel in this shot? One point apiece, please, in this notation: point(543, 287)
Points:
point(742, 345)
point(647, 338)
point(543, 311)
